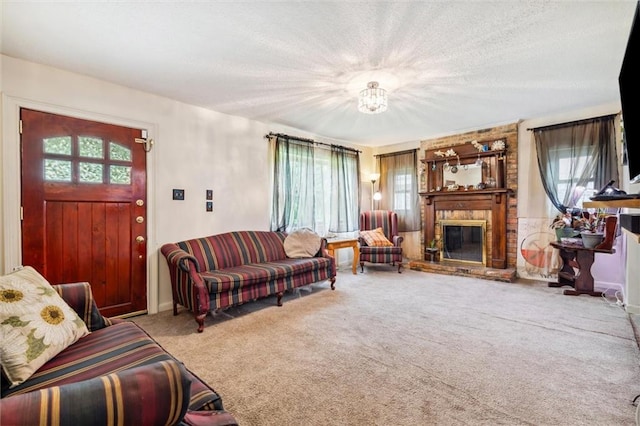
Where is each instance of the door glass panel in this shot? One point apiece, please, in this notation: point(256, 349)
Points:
point(119, 152)
point(57, 170)
point(58, 145)
point(120, 175)
point(90, 147)
point(90, 172)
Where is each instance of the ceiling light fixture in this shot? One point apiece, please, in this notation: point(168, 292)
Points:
point(373, 99)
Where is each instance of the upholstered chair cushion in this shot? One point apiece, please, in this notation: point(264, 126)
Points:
point(375, 238)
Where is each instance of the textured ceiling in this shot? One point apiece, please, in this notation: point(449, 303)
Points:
point(447, 66)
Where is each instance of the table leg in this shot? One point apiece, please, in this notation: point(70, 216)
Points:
point(356, 257)
point(584, 280)
point(566, 275)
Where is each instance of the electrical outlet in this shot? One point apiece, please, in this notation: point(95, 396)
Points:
point(178, 194)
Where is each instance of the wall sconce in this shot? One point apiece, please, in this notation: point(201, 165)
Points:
point(376, 195)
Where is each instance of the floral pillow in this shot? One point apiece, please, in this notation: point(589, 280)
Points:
point(35, 324)
point(375, 238)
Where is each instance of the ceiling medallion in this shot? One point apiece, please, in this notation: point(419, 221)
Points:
point(373, 99)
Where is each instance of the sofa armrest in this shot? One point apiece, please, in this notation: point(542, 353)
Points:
point(157, 393)
point(187, 286)
point(397, 240)
point(178, 258)
point(323, 252)
point(79, 297)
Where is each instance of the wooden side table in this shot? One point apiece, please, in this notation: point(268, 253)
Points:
point(333, 245)
point(581, 258)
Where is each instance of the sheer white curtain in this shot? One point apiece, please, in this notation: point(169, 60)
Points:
point(314, 187)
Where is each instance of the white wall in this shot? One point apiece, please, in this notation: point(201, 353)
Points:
point(195, 149)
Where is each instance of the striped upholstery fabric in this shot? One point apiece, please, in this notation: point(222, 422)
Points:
point(113, 349)
point(235, 267)
point(78, 297)
point(388, 221)
point(154, 394)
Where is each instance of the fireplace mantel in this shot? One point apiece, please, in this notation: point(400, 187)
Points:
point(492, 199)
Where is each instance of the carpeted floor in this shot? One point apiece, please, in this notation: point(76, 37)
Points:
point(415, 349)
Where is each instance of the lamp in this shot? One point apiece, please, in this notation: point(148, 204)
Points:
point(373, 99)
point(377, 196)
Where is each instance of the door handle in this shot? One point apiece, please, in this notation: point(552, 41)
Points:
point(140, 239)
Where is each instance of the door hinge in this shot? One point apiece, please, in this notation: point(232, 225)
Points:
point(21, 213)
point(20, 126)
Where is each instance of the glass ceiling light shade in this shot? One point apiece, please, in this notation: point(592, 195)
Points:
point(373, 99)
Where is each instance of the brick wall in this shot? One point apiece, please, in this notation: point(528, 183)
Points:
point(509, 133)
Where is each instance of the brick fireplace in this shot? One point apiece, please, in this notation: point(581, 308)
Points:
point(491, 201)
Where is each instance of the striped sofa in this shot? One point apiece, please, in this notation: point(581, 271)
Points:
point(232, 268)
point(117, 374)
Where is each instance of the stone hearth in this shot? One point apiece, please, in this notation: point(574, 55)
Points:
point(505, 275)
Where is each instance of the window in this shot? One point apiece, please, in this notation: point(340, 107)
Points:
point(315, 187)
point(81, 160)
point(399, 188)
point(576, 158)
point(567, 165)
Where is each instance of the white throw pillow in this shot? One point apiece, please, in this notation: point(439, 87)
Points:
point(35, 324)
point(302, 243)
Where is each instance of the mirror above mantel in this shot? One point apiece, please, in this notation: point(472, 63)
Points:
point(465, 167)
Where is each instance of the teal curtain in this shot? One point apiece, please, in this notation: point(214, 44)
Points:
point(314, 187)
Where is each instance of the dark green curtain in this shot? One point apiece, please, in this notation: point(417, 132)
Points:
point(590, 146)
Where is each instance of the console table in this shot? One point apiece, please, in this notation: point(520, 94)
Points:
point(333, 245)
point(581, 258)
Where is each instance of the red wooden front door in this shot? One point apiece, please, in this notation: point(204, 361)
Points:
point(84, 207)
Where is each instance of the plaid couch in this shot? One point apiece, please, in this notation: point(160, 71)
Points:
point(232, 268)
point(117, 374)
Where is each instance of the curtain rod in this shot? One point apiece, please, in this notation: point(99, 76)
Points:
point(281, 135)
point(572, 123)
point(408, 151)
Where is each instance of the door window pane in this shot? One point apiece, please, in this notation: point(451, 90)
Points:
point(90, 172)
point(120, 175)
point(57, 170)
point(90, 147)
point(119, 152)
point(59, 145)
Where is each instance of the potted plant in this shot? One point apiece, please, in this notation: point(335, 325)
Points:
point(432, 249)
point(592, 233)
point(563, 225)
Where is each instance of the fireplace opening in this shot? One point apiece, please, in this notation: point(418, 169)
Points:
point(463, 241)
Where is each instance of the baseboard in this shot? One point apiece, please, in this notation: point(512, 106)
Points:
point(633, 309)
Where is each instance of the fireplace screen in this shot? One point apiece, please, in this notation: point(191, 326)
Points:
point(463, 241)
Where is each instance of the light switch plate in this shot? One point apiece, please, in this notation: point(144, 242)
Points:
point(178, 194)
point(209, 206)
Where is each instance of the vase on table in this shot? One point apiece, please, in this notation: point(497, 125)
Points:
point(591, 239)
point(565, 233)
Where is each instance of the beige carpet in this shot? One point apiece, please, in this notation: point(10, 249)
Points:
point(415, 349)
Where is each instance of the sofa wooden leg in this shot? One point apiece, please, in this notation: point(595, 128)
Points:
point(399, 266)
point(333, 283)
point(175, 309)
point(361, 266)
point(280, 298)
point(200, 321)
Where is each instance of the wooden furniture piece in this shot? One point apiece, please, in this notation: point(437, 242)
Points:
point(335, 244)
point(581, 258)
point(486, 199)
